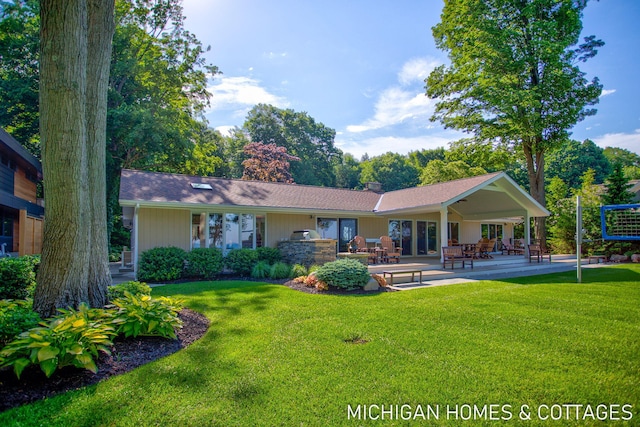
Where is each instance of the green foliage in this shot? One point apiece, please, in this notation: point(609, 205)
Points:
point(17, 277)
point(313, 268)
point(72, 338)
point(261, 270)
point(271, 255)
point(439, 171)
point(297, 270)
point(16, 316)
point(347, 172)
point(133, 287)
point(205, 263)
point(241, 261)
point(143, 315)
point(280, 270)
point(302, 137)
point(573, 159)
point(617, 188)
point(393, 171)
point(163, 263)
point(344, 273)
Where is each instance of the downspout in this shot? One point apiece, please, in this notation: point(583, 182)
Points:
point(135, 241)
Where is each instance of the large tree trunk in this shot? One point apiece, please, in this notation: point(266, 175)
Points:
point(101, 28)
point(535, 171)
point(62, 276)
point(74, 70)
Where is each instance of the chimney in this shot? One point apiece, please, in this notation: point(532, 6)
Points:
point(376, 187)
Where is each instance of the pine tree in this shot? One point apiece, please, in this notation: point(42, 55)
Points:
point(617, 187)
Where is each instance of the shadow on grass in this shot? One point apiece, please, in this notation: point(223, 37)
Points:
point(613, 274)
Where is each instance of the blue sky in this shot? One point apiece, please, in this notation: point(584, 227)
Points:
point(358, 67)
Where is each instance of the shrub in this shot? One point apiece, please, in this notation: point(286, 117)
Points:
point(280, 270)
point(143, 315)
point(261, 270)
point(17, 277)
point(134, 288)
point(271, 255)
point(15, 318)
point(313, 268)
point(241, 261)
point(72, 338)
point(344, 273)
point(297, 270)
point(205, 263)
point(159, 264)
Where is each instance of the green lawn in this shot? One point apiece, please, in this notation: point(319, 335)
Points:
point(274, 356)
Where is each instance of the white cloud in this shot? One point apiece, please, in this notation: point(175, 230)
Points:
point(629, 141)
point(402, 102)
point(606, 92)
point(240, 94)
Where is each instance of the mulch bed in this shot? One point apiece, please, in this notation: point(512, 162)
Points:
point(126, 355)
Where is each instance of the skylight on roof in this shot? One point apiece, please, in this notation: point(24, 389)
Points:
point(201, 186)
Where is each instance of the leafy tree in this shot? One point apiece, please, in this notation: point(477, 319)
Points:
point(19, 47)
point(347, 172)
point(630, 161)
point(267, 162)
point(420, 158)
point(392, 170)
point(438, 171)
point(207, 155)
point(74, 71)
point(513, 76)
point(573, 159)
point(617, 186)
point(302, 136)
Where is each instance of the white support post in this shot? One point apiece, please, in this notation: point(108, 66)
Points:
point(579, 238)
point(444, 230)
point(527, 233)
point(135, 242)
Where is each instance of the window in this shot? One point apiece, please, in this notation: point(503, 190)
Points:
point(492, 231)
point(426, 237)
point(227, 231)
point(453, 231)
point(327, 228)
point(340, 229)
point(401, 232)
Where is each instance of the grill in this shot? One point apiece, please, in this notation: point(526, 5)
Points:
point(304, 235)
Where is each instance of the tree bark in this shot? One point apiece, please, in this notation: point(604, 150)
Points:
point(75, 54)
point(63, 272)
point(101, 28)
point(535, 171)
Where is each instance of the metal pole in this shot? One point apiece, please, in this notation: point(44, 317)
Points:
point(579, 238)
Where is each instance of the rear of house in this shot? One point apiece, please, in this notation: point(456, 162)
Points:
point(190, 212)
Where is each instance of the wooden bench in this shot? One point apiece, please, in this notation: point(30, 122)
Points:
point(453, 254)
point(597, 258)
point(391, 273)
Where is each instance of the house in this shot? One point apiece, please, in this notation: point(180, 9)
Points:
point(21, 217)
point(165, 209)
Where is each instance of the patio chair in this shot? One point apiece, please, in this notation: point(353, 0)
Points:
point(539, 252)
point(391, 252)
point(453, 254)
point(361, 244)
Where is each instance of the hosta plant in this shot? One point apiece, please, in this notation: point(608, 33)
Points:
point(143, 315)
point(72, 338)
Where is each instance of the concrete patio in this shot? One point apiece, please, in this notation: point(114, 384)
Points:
point(498, 267)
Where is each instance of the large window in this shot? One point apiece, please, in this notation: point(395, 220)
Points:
point(453, 232)
point(492, 231)
point(340, 229)
point(426, 236)
point(401, 232)
point(227, 231)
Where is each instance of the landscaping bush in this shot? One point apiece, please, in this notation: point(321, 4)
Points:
point(344, 273)
point(16, 317)
point(72, 338)
point(271, 255)
point(241, 261)
point(204, 263)
point(143, 315)
point(280, 270)
point(160, 264)
point(134, 288)
point(261, 270)
point(297, 270)
point(17, 277)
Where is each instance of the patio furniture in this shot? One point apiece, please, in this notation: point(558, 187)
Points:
point(361, 244)
point(597, 258)
point(391, 273)
point(391, 251)
point(538, 252)
point(453, 254)
point(484, 246)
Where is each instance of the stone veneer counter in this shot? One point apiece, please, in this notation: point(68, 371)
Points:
point(308, 252)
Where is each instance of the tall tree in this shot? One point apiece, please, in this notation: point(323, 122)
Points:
point(73, 74)
point(302, 136)
point(267, 162)
point(513, 76)
point(347, 172)
point(573, 159)
point(617, 186)
point(438, 171)
point(394, 171)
